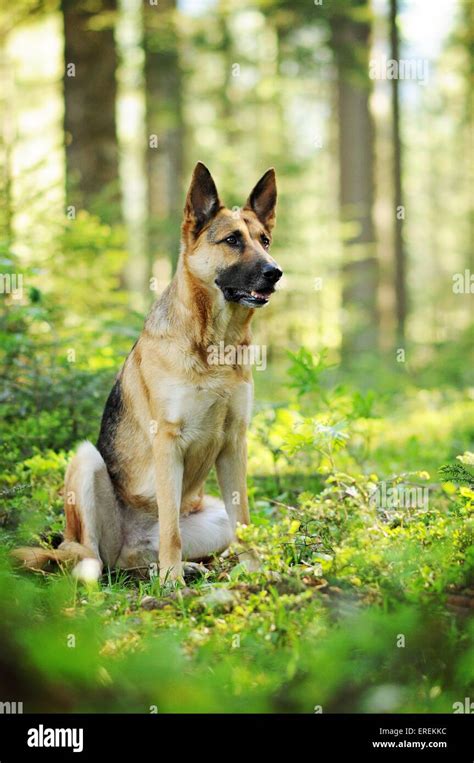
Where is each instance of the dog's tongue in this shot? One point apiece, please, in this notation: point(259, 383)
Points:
point(258, 295)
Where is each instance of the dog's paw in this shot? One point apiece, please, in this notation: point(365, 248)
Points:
point(250, 560)
point(88, 570)
point(194, 571)
point(171, 574)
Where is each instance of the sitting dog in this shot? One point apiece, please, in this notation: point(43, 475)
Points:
point(138, 497)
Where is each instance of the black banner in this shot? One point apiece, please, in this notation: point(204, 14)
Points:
point(131, 737)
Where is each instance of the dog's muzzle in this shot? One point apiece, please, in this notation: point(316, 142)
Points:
point(258, 294)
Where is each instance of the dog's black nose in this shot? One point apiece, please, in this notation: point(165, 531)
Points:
point(271, 273)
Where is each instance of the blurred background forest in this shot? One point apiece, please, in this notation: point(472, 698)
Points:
point(105, 106)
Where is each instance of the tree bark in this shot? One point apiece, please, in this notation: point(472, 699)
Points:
point(399, 212)
point(351, 42)
point(92, 158)
point(164, 125)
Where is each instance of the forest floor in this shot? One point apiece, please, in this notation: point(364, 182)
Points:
point(359, 602)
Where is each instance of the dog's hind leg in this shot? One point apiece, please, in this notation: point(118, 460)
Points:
point(93, 524)
point(93, 533)
point(205, 532)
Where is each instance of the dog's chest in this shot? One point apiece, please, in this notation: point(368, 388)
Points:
point(201, 418)
point(201, 413)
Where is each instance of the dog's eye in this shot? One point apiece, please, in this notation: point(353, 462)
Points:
point(265, 241)
point(231, 240)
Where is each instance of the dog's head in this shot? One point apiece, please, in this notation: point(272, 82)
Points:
point(228, 249)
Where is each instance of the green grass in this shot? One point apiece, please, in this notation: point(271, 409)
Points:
point(347, 611)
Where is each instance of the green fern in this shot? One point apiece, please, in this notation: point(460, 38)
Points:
point(455, 473)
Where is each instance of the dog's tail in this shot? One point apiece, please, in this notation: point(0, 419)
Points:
point(87, 486)
point(36, 558)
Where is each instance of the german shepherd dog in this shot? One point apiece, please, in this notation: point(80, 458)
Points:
point(138, 497)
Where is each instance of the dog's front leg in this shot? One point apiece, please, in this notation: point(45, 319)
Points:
point(231, 467)
point(169, 483)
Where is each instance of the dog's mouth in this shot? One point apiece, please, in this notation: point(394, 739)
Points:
point(247, 297)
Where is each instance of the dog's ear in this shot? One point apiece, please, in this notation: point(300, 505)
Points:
point(262, 199)
point(202, 201)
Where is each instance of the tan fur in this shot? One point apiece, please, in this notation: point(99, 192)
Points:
point(37, 558)
point(179, 415)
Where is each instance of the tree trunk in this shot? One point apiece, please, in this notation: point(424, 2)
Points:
point(399, 212)
point(90, 60)
point(164, 130)
point(351, 43)
point(6, 145)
